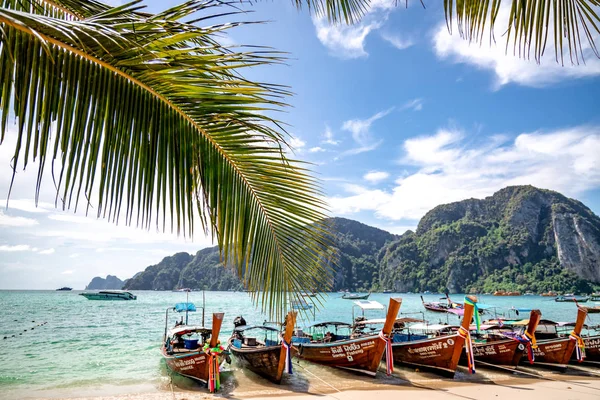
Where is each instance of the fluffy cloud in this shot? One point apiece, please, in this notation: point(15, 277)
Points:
point(397, 41)
point(361, 133)
point(506, 66)
point(19, 247)
point(328, 137)
point(449, 169)
point(316, 149)
point(348, 41)
point(414, 105)
point(47, 251)
point(296, 143)
point(376, 176)
point(8, 220)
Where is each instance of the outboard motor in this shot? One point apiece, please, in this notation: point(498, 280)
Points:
point(239, 321)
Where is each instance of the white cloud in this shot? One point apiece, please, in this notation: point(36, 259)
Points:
point(328, 135)
point(506, 66)
point(344, 41)
point(47, 251)
point(361, 133)
point(296, 143)
point(316, 149)
point(397, 41)
point(19, 247)
point(8, 220)
point(67, 272)
point(376, 176)
point(348, 41)
point(414, 105)
point(448, 169)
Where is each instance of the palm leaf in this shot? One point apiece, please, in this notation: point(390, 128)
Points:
point(530, 24)
point(150, 120)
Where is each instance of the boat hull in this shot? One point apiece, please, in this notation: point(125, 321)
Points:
point(505, 353)
point(264, 361)
point(556, 352)
point(192, 365)
point(354, 353)
point(436, 354)
point(94, 296)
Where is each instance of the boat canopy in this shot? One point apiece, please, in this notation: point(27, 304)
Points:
point(369, 305)
point(187, 329)
point(244, 328)
point(319, 324)
point(382, 321)
point(432, 327)
point(182, 307)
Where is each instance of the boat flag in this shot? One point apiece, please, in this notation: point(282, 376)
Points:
point(288, 355)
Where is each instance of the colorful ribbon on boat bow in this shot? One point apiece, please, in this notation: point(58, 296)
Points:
point(288, 355)
point(389, 357)
point(475, 312)
point(530, 343)
point(464, 333)
point(579, 347)
point(214, 380)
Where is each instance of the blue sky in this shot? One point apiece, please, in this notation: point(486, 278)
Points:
point(397, 116)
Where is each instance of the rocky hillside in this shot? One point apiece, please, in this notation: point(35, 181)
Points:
point(110, 283)
point(521, 238)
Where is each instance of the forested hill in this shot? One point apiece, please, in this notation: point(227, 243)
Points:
point(521, 238)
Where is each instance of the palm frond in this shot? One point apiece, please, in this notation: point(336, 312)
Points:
point(150, 120)
point(348, 11)
point(530, 23)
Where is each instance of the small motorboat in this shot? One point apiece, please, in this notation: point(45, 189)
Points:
point(64, 289)
point(356, 296)
point(262, 349)
point(109, 295)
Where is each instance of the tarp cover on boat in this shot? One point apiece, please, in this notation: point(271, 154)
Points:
point(248, 327)
point(382, 320)
point(181, 307)
point(325, 323)
point(432, 327)
point(369, 304)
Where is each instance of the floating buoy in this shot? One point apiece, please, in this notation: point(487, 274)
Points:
point(5, 337)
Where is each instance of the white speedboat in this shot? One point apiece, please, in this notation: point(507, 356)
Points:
point(109, 295)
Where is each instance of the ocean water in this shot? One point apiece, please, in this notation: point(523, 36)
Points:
point(65, 344)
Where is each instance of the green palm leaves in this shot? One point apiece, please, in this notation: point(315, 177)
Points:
point(149, 119)
point(569, 23)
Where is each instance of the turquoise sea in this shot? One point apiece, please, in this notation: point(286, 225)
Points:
point(64, 344)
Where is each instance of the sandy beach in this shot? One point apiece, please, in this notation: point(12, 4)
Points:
point(313, 381)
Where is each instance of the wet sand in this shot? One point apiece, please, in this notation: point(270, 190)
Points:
point(311, 381)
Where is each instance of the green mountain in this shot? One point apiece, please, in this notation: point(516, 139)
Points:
point(521, 238)
point(111, 282)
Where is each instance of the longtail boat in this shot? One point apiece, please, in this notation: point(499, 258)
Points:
point(556, 352)
point(497, 347)
point(439, 354)
point(267, 357)
point(361, 353)
point(437, 306)
point(193, 351)
point(590, 309)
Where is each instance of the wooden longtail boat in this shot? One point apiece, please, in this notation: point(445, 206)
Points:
point(503, 351)
point(362, 353)
point(188, 357)
point(439, 354)
point(590, 309)
point(267, 358)
point(557, 352)
point(592, 350)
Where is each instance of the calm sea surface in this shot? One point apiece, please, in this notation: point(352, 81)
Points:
point(65, 343)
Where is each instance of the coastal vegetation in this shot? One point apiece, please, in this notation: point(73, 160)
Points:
point(148, 120)
point(470, 246)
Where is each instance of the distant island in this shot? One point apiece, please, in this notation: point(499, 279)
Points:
point(520, 239)
point(110, 283)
